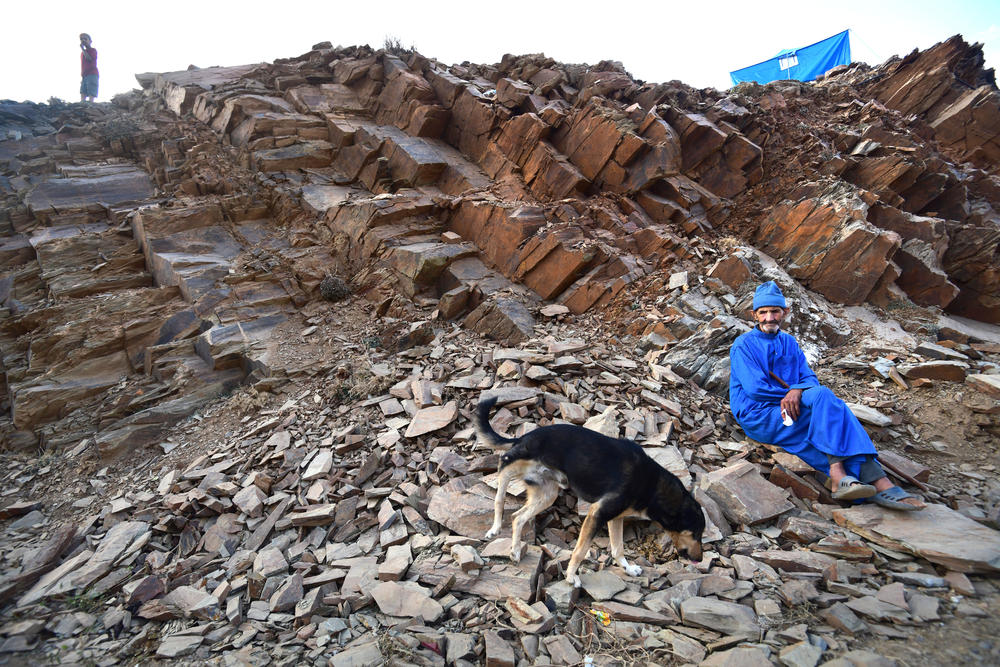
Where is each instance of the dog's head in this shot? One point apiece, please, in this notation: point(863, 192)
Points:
point(686, 526)
point(688, 541)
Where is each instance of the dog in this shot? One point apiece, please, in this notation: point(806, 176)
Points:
point(616, 476)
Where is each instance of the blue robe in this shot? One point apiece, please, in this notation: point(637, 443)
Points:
point(825, 424)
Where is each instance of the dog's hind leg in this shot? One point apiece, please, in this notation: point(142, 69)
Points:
point(506, 475)
point(540, 497)
point(615, 527)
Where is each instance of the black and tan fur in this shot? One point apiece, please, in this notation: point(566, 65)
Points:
point(616, 476)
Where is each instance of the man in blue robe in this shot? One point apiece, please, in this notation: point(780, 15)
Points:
point(777, 399)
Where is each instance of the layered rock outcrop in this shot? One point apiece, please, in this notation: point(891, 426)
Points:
point(227, 195)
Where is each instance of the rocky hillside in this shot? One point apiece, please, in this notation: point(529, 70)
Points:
point(248, 311)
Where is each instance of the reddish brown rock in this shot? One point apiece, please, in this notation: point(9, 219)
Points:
point(948, 371)
point(733, 270)
point(828, 244)
point(947, 86)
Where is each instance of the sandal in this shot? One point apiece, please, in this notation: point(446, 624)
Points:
point(893, 497)
point(850, 488)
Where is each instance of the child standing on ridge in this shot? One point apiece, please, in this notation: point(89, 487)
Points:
point(88, 69)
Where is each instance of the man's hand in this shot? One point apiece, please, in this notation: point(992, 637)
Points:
point(790, 403)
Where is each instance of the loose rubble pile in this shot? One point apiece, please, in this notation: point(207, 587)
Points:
point(350, 531)
point(356, 246)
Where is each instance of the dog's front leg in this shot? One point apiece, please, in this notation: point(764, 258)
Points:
point(498, 503)
point(615, 529)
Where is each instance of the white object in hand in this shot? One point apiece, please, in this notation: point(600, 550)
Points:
point(785, 418)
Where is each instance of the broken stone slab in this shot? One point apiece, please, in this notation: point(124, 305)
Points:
point(314, 515)
point(55, 582)
point(498, 652)
point(506, 395)
point(193, 603)
point(940, 352)
point(877, 610)
point(423, 262)
point(795, 561)
point(869, 415)
point(320, 466)
point(466, 557)
point(505, 320)
point(948, 371)
point(725, 617)
point(251, 501)
point(406, 599)
point(432, 419)
point(287, 595)
point(359, 655)
point(987, 384)
point(465, 506)
point(178, 646)
point(626, 612)
point(669, 599)
point(741, 656)
point(562, 595)
point(937, 533)
point(604, 423)
point(743, 495)
point(397, 560)
point(119, 538)
point(681, 646)
point(110, 185)
point(269, 562)
point(841, 617)
point(601, 585)
point(497, 582)
point(531, 619)
point(18, 509)
point(924, 607)
point(802, 654)
point(561, 650)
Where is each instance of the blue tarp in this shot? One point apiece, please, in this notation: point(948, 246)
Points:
point(803, 64)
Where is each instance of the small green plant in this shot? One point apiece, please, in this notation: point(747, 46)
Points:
point(85, 602)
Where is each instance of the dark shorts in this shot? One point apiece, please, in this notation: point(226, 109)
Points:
point(88, 85)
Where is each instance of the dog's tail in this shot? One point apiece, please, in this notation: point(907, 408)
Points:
point(484, 431)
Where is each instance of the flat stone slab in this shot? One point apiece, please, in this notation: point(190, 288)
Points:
point(113, 188)
point(987, 384)
point(506, 395)
point(406, 599)
point(465, 506)
point(869, 415)
point(423, 262)
point(497, 582)
point(432, 419)
point(727, 617)
point(601, 585)
point(743, 495)
point(937, 533)
point(322, 198)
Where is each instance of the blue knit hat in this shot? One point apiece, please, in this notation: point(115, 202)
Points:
point(768, 294)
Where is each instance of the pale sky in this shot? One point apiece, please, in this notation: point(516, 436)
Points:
point(698, 43)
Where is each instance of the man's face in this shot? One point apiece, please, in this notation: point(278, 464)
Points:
point(769, 318)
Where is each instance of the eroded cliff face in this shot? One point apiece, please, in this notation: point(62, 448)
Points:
point(152, 247)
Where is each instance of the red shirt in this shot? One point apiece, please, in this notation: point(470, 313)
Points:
point(88, 66)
